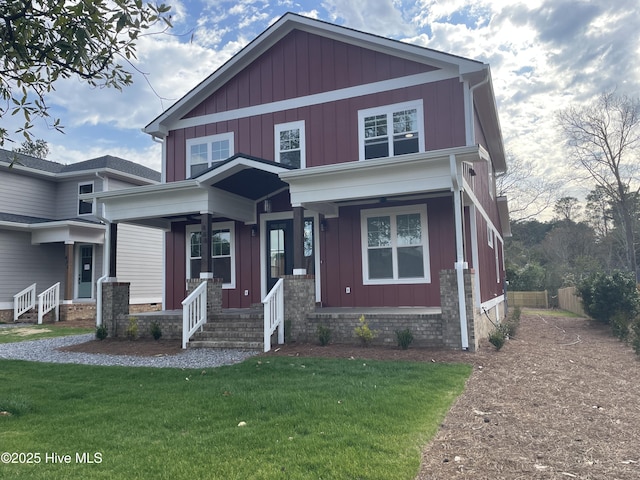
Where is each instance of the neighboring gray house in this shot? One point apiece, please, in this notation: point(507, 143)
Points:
point(50, 234)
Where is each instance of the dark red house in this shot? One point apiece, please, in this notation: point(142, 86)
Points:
point(319, 150)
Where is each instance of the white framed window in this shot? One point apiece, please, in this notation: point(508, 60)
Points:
point(489, 235)
point(85, 207)
point(222, 252)
point(491, 180)
point(391, 130)
point(395, 245)
point(289, 144)
point(203, 152)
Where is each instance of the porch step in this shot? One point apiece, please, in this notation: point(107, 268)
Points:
point(243, 329)
point(223, 344)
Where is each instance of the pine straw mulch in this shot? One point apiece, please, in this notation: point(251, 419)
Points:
point(561, 400)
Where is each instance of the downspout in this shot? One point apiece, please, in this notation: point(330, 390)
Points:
point(460, 264)
point(105, 256)
point(163, 179)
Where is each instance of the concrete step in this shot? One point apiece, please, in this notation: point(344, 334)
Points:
point(228, 335)
point(221, 344)
point(218, 326)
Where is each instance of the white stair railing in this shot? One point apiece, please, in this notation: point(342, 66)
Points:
point(274, 314)
point(49, 300)
point(24, 301)
point(194, 312)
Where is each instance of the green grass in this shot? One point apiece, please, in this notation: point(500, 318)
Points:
point(305, 418)
point(550, 312)
point(38, 332)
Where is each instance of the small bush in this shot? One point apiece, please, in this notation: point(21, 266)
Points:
point(405, 337)
point(364, 333)
point(620, 325)
point(101, 332)
point(156, 331)
point(497, 338)
point(324, 335)
point(605, 295)
point(132, 330)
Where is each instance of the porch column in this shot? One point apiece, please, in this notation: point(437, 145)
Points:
point(69, 282)
point(113, 249)
point(206, 270)
point(299, 267)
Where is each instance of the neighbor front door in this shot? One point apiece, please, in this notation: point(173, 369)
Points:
point(85, 271)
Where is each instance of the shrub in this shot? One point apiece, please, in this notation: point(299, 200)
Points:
point(132, 330)
point(324, 334)
point(364, 333)
point(635, 335)
point(156, 331)
point(405, 337)
point(605, 295)
point(101, 332)
point(497, 338)
point(621, 325)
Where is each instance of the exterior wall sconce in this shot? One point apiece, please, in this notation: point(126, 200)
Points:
point(254, 230)
point(266, 206)
point(323, 225)
point(472, 172)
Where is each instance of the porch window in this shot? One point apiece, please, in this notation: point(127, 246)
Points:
point(290, 144)
point(222, 252)
point(395, 245)
point(391, 130)
point(204, 152)
point(85, 207)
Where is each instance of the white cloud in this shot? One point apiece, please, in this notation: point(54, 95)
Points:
point(380, 17)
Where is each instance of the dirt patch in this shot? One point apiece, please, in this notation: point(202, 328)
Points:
point(122, 346)
point(24, 331)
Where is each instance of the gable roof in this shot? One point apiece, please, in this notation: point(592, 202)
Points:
point(49, 168)
point(474, 70)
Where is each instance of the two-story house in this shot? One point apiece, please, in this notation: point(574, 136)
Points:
point(319, 150)
point(50, 234)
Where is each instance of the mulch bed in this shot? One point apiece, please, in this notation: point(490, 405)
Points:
point(561, 400)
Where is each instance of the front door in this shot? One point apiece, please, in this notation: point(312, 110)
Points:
point(280, 249)
point(85, 271)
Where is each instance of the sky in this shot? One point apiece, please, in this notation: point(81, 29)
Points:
point(545, 55)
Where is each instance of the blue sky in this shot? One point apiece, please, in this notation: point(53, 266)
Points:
point(544, 55)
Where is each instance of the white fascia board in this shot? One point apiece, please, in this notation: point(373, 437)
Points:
point(230, 205)
point(163, 188)
point(503, 211)
point(67, 232)
point(15, 226)
point(235, 166)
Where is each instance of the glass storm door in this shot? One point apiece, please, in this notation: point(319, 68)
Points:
point(85, 271)
point(280, 250)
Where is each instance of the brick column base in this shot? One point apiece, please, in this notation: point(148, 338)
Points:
point(214, 294)
point(299, 301)
point(115, 305)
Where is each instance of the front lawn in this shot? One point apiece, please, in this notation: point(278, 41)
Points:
point(303, 419)
point(38, 332)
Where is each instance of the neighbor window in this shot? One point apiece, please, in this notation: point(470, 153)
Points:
point(395, 247)
point(290, 144)
point(391, 130)
point(222, 252)
point(204, 152)
point(85, 207)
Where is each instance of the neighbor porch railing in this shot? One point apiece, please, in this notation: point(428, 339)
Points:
point(49, 300)
point(274, 314)
point(24, 301)
point(194, 312)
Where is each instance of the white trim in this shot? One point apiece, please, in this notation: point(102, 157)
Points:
point(316, 99)
point(489, 304)
point(189, 229)
point(208, 140)
point(388, 110)
point(281, 127)
point(473, 226)
point(489, 234)
point(393, 212)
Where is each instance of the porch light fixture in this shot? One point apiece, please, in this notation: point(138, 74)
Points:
point(254, 230)
point(266, 206)
point(472, 172)
point(323, 225)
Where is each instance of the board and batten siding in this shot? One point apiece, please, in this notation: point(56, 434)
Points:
point(29, 196)
point(139, 261)
point(22, 264)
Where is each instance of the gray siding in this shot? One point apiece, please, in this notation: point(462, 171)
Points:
point(139, 262)
point(23, 195)
point(67, 199)
point(22, 264)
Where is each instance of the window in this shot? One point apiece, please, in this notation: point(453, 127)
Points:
point(489, 235)
point(395, 245)
point(85, 207)
point(391, 131)
point(204, 152)
point(290, 144)
point(222, 252)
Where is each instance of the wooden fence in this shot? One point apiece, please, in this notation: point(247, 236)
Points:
point(528, 299)
point(568, 300)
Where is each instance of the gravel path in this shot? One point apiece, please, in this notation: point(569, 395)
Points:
point(46, 351)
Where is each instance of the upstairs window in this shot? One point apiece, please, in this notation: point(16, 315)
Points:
point(290, 144)
point(204, 152)
point(85, 207)
point(391, 130)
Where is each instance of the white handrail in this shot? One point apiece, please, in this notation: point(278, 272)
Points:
point(274, 314)
point(24, 301)
point(194, 312)
point(49, 300)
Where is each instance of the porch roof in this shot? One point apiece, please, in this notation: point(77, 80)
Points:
point(229, 189)
point(45, 230)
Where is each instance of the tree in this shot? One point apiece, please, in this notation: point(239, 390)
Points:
point(38, 148)
point(603, 139)
point(42, 41)
point(529, 194)
point(567, 208)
